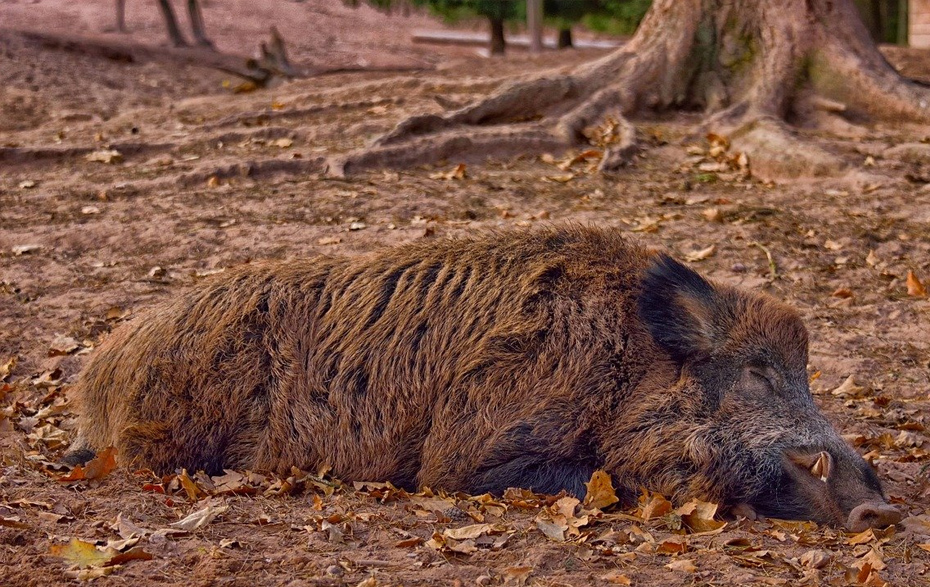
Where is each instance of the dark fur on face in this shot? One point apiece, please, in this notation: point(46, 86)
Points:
point(514, 359)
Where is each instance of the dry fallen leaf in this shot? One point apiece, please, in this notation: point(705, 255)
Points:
point(564, 178)
point(700, 255)
point(673, 545)
point(518, 575)
point(201, 517)
point(105, 156)
point(712, 215)
point(601, 492)
point(468, 532)
point(80, 554)
point(698, 516)
point(914, 286)
point(13, 522)
point(716, 140)
point(457, 172)
point(25, 249)
point(684, 565)
point(98, 467)
point(554, 530)
point(874, 559)
point(816, 559)
point(916, 525)
point(654, 506)
point(616, 578)
point(190, 487)
point(62, 345)
point(7, 367)
point(850, 389)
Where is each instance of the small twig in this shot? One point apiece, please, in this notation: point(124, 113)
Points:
point(773, 269)
point(362, 562)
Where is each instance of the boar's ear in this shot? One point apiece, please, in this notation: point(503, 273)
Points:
point(679, 306)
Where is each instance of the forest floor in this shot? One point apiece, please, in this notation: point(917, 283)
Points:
point(123, 183)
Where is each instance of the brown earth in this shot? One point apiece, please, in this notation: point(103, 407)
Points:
point(206, 180)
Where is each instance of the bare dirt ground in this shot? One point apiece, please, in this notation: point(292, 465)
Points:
point(205, 180)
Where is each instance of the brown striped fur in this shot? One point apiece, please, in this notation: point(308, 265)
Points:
point(474, 364)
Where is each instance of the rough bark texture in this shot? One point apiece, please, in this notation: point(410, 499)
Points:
point(171, 22)
point(197, 25)
point(498, 44)
point(751, 65)
point(121, 16)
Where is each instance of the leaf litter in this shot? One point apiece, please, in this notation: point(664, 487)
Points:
point(268, 515)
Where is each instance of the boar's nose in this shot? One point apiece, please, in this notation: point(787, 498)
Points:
point(873, 514)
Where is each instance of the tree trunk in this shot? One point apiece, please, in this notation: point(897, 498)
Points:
point(534, 24)
point(565, 38)
point(121, 16)
point(174, 32)
point(871, 13)
point(498, 44)
point(197, 25)
point(749, 65)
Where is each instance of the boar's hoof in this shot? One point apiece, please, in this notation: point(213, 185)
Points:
point(80, 456)
point(872, 515)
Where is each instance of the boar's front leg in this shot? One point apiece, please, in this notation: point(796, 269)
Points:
point(536, 455)
point(536, 473)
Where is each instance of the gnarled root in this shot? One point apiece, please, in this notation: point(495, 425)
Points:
point(751, 65)
point(462, 144)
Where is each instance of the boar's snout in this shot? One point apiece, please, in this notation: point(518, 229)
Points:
point(875, 514)
point(836, 486)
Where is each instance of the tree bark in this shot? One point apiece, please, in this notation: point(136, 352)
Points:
point(197, 24)
point(121, 16)
point(498, 44)
point(171, 23)
point(534, 24)
point(565, 38)
point(750, 65)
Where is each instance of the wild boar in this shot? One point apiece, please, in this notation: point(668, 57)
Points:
point(526, 359)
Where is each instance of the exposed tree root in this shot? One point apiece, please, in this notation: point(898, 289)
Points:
point(777, 152)
point(752, 66)
point(26, 155)
point(464, 145)
point(254, 169)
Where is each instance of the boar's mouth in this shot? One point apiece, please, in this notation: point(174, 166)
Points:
point(829, 487)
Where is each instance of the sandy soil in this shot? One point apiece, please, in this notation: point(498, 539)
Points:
point(206, 180)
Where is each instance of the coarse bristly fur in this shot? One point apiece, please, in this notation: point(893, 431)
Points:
point(516, 359)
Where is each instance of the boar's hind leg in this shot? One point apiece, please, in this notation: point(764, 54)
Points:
point(158, 447)
point(548, 477)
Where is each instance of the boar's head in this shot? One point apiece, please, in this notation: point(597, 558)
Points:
point(755, 438)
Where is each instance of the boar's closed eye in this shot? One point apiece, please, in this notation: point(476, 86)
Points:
point(761, 375)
